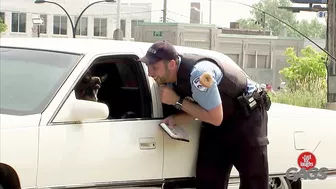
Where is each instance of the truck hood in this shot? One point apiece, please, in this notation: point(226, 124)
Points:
point(14, 121)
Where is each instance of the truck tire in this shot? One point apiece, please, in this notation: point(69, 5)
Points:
point(280, 183)
point(8, 177)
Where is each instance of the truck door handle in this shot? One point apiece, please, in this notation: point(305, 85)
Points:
point(147, 143)
point(300, 140)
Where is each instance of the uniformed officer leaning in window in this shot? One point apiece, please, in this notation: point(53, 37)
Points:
point(233, 111)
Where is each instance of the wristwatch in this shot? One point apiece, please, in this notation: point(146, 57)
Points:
point(178, 104)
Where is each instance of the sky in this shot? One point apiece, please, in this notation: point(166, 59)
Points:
point(223, 12)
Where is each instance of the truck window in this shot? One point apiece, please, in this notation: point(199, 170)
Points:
point(125, 90)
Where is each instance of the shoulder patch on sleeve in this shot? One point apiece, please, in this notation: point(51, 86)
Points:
point(197, 83)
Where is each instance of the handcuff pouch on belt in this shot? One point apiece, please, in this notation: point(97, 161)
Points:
point(247, 103)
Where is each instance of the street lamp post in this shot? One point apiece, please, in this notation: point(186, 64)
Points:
point(210, 11)
point(74, 27)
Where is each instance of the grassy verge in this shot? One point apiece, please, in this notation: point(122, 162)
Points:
point(302, 97)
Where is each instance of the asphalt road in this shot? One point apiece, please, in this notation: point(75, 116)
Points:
point(329, 183)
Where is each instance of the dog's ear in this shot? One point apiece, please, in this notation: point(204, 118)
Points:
point(103, 78)
point(87, 76)
point(86, 79)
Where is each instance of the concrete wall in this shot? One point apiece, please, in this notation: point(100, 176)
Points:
point(129, 12)
point(245, 31)
point(319, 42)
point(260, 56)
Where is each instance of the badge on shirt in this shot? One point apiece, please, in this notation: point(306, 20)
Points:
point(198, 85)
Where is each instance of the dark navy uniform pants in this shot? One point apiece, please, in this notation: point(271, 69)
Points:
point(241, 143)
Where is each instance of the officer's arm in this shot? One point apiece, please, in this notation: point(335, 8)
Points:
point(213, 116)
point(209, 107)
point(180, 118)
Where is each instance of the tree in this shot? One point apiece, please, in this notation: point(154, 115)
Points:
point(305, 78)
point(313, 29)
point(306, 72)
point(270, 6)
point(259, 20)
point(3, 26)
point(249, 23)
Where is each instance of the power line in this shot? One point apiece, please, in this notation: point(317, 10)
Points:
point(184, 16)
point(125, 13)
point(114, 20)
point(264, 12)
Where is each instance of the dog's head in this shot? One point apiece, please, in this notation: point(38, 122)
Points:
point(89, 86)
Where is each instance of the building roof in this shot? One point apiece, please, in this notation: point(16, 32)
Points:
point(261, 37)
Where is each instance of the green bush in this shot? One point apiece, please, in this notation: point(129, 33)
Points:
point(3, 26)
point(305, 79)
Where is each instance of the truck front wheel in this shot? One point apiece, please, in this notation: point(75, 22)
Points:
point(8, 177)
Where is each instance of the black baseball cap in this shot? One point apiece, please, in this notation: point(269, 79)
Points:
point(160, 50)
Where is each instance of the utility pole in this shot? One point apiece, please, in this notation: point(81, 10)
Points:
point(264, 22)
point(38, 30)
point(210, 10)
point(164, 18)
point(118, 34)
point(118, 13)
point(331, 48)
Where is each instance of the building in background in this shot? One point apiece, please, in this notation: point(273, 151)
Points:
point(196, 13)
point(98, 21)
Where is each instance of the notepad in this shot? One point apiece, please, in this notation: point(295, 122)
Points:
point(175, 132)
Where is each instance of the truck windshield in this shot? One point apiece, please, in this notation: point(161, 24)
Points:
point(29, 78)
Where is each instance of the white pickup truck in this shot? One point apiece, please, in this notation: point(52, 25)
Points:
point(53, 139)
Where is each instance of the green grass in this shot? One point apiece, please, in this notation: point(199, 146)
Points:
point(314, 96)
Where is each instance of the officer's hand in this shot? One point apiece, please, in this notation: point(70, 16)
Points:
point(168, 96)
point(169, 121)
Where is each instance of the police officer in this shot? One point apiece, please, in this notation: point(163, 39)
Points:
point(233, 112)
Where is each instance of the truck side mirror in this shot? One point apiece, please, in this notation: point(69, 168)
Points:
point(74, 110)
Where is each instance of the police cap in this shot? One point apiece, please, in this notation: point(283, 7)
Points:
point(160, 50)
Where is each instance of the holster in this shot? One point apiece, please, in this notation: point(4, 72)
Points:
point(249, 102)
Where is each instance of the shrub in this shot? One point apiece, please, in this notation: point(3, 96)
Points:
point(305, 78)
point(3, 26)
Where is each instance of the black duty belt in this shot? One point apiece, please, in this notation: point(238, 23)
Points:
point(248, 102)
